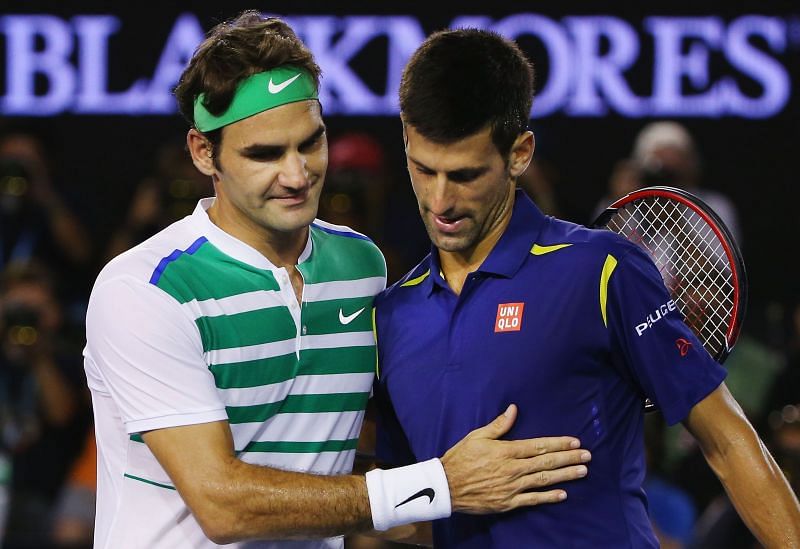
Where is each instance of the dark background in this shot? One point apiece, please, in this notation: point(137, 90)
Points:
point(98, 160)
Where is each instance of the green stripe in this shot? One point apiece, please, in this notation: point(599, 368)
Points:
point(210, 274)
point(254, 373)
point(336, 257)
point(293, 404)
point(154, 483)
point(339, 360)
point(137, 438)
point(265, 371)
point(250, 328)
point(322, 317)
point(303, 447)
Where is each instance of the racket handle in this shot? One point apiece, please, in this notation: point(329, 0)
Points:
point(649, 406)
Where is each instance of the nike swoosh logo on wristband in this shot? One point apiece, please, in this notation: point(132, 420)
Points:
point(422, 493)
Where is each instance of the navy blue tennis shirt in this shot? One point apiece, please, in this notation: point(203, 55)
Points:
point(576, 327)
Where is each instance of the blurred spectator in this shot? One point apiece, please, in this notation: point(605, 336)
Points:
point(169, 194)
point(539, 182)
point(73, 523)
point(667, 155)
point(784, 437)
point(753, 369)
point(355, 184)
point(625, 178)
point(35, 220)
point(786, 386)
point(356, 194)
point(44, 411)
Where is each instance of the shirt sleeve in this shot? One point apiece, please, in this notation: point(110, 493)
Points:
point(391, 444)
point(149, 355)
point(664, 356)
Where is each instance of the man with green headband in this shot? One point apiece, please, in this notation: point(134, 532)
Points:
point(231, 356)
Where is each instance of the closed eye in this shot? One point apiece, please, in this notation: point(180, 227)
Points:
point(273, 153)
point(263, 153)
point(312, 142)
point(465, 176)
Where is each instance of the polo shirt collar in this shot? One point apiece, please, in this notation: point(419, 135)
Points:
point(511, 250)
point(232, 246)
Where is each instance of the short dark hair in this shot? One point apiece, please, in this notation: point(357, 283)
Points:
point(461, 81)
point(232, 51)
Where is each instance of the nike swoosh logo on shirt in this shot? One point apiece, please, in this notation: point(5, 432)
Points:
point(349, 318)
point(278, 88)
point(424, 492)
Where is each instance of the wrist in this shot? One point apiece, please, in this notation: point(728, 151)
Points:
point(408, 494)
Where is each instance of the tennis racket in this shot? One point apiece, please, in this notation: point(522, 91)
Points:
point(699, 260)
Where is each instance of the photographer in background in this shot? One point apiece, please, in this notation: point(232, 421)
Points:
point(667, 155)
point(168, 194)
point(43, 405)
point(36, 222)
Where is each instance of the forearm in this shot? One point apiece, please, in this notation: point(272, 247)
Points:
point(249, 502)
point(233, 500)
point(759, 491)
point(752, 479)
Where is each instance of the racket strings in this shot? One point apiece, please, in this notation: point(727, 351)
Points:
point(691, 260)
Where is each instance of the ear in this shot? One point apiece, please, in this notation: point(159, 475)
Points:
point(521, 153)
point(201, 151)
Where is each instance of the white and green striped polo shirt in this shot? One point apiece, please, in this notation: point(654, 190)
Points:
point(193, 326)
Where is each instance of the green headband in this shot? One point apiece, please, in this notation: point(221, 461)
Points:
point(257, 93)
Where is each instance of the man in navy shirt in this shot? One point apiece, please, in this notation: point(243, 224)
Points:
point(573, 325)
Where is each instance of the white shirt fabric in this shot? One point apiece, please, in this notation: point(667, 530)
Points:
point(147, 369)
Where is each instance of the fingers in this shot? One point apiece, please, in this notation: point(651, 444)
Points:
point(542, 471)
point(528, 499)
point(541, 479)
point(540, 446)
point(555, 460)
point(498, 427)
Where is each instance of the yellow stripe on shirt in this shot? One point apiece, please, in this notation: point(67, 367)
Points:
point(415, 281)
point(541, 250)
point(605, 275)
point(375, 336)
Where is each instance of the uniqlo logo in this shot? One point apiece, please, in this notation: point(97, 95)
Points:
point(509, 317)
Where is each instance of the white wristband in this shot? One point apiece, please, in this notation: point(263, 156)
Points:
point(408, 494)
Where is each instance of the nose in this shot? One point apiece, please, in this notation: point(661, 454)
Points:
point(294, 171)
point(440, 195)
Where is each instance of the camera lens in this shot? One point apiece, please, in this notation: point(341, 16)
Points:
point(20, 325)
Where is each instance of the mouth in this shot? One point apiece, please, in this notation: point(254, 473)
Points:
point(292, 199)
point(448, 224)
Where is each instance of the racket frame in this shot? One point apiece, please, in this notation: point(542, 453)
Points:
point(723, 234)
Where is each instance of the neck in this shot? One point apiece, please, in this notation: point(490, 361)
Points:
point(282, 249)
point(457, 265)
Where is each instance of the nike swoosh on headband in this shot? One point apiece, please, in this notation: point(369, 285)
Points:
point(278, 88)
